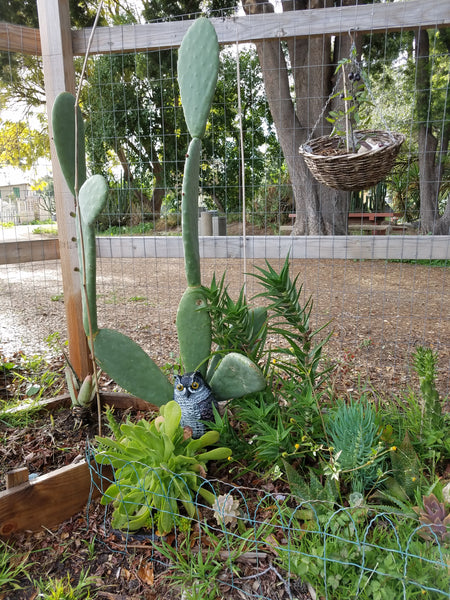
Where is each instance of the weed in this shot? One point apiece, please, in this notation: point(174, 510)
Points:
point(13, 568)
point(196, 571)
point(64, 589)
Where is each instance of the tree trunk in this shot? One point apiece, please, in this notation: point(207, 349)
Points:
point(142, 203)
point(319, 209)
point(430, 157)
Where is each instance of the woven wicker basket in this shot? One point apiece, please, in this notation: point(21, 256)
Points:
point(352, 172)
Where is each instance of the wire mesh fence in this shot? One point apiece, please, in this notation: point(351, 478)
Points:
point(137, 137)
point(269, 544)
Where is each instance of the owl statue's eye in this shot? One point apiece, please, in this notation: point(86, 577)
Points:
point(180, 387)
point(194, 385)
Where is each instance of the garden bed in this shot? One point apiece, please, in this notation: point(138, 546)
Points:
point(59, 530)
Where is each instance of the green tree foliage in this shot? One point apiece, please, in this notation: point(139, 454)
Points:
point(222, 176)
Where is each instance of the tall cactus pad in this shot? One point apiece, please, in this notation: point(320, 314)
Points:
point(63, 124)
point(189, 216)
point(194, 330)
point(131, 367)
point(198, 63)
point(92, 199)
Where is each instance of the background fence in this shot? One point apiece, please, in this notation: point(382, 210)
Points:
point(379, 309)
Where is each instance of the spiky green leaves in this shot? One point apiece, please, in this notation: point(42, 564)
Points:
point(198, 63)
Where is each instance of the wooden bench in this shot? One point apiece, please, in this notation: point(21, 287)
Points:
point(376, 223)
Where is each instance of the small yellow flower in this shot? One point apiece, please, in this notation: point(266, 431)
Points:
point(230, 458)
point(393, 448)
point(413, 478)
point(274, 361)
point(297, 446)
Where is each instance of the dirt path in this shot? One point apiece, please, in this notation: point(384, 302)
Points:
point(379, 311)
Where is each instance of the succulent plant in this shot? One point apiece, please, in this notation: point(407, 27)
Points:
point(156, 466)
point(436, 517)
point(235, 375)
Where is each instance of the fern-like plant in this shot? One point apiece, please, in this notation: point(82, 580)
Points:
point(425, 361)
point(235, 326)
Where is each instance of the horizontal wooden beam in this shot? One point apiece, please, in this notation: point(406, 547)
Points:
point(28, 251)
point(243, 29)
point(246, 29)
point(16, 38)
point(409, 247)
point(48, 500)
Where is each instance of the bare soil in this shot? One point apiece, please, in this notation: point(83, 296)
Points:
point(378, 312)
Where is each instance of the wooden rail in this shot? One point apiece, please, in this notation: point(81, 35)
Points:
point(244, 29)
point(28, 251)
point(409, 247)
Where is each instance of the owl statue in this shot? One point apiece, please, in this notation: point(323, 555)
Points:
point(196, 400)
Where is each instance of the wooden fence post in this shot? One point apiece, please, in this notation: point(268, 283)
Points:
point(59, 76)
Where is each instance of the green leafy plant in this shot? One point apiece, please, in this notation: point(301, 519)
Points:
point(156, 466)
point(196, 570)
point(13, 568)
point(82, 394)
point(290, 319)
point(343, 556)
point(347, 120)
point(327, 493)
point(64, 589)
point(425, 361)
point(235, 326)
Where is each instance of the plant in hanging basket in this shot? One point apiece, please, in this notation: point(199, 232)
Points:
point(353, 115)
point(351, 158)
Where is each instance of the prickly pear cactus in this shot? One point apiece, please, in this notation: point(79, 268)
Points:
point(63, 125)
point(115, 353)
point(236, 375)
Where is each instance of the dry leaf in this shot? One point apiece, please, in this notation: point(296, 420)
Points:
point(146, 574)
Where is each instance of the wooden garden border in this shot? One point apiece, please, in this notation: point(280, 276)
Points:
point(54, 497)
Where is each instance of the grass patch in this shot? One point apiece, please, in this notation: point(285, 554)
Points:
point(140, 229)
point(424, 262)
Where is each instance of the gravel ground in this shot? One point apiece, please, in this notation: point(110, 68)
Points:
point(378, 311)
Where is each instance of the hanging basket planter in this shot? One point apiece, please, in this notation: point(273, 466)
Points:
point(331, 164)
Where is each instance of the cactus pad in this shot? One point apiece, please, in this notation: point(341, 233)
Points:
point(194, 330)
point(198, 63)
point(63, 124)
point(235, 377)
point(131, 367)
